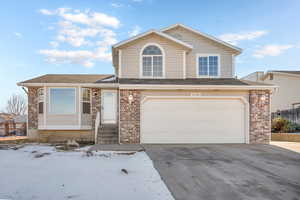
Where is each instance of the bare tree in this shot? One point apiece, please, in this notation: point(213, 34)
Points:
point(16, 105)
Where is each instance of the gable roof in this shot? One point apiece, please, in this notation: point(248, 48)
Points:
point(283, 72)
point(288, 72)
point(67, 78)
point(204, 35)
point(155, 32)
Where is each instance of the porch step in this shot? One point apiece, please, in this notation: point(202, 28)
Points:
point(108, 141)
point(108, 134)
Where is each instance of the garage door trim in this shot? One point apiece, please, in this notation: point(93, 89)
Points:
point(241, 98)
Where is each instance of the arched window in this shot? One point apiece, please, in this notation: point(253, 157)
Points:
point(152, 61)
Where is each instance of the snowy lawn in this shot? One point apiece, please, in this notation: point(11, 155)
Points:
point(74, 175)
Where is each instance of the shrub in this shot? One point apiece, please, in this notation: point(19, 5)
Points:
point(282, 125)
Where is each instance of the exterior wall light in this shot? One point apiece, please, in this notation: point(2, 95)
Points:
point(263, 98)
point(130, 98)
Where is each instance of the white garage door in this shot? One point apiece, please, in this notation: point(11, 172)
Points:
point(193, 120)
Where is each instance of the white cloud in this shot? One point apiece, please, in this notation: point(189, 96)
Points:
point(234, 38)
point(18, 35)
point(50, 28)
point(271, 50)
point(88, 30)
point(136, 30)
point(46, 12)
point(116, 5)
point(70, 57)
point(87, 17)
point(54, 44)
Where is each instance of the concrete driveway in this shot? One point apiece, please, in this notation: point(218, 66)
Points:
point(210, 172)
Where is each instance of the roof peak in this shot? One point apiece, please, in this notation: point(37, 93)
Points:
point(158, 32)
point(202, 34)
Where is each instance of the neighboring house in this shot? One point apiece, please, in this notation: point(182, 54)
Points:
point(20, 124)
point(12, 125)
point(174, 85)
point(3, 126)
point(287, 96)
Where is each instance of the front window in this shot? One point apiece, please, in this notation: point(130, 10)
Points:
point(62, 101)
point(208, 66)
point(86, 101)
point(41, 100)
point(152, 62)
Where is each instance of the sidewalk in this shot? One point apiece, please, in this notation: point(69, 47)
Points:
point(292, 146)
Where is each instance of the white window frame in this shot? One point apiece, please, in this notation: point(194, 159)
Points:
point(141, 61)
point(41, 99)
point(49, 100)
point(207, 55)
point(81, 100)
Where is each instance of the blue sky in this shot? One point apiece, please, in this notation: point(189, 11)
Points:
point(74, 36)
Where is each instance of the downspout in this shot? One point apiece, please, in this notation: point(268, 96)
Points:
point(25, 90)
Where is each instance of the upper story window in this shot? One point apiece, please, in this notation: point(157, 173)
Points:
point(41, 100)
point(208, 65)
point(62, 100)
point(152, 62)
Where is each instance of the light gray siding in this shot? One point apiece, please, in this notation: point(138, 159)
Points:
point(131, 60)
point(202, 45)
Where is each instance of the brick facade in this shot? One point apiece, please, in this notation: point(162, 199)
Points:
point(32, 112)
point(130, 116)
point(96, 106)
point(260, 117)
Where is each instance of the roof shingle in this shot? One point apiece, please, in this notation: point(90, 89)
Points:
point(68, 78)
point(194, 81)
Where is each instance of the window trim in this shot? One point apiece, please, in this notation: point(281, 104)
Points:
point(81, 100)
point(41, 100)
point(141, 61)
point(197, 65)
point(49, 100)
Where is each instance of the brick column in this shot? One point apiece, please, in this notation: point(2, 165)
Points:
point(130, 116)
point(260, 117)
point(32, 112)
point(96, 104)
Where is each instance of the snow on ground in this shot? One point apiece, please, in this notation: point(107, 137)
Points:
point(74, 175)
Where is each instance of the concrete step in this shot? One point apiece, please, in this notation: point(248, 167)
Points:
point(108, 127)
point(107, 131)
point(108, 134)
point(107, 138)
point(108, 141)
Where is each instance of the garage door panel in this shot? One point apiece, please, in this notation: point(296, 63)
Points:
point(192, 121)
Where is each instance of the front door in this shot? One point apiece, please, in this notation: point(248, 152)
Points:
point(109, 106)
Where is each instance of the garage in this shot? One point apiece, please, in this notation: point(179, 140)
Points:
point(194, 120)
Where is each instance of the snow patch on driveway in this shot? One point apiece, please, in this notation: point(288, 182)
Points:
point(75, 175)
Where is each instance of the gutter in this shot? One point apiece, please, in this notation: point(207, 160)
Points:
point(95, 85)
point(200, 87)
point(153, 86)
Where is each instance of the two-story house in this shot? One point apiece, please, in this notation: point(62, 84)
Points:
point(174, 85)
point(287, 95)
